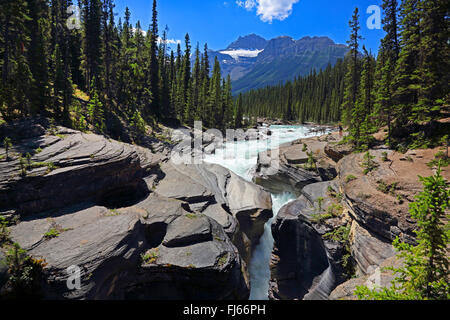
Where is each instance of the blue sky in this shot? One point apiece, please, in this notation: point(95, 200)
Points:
point(219, 22)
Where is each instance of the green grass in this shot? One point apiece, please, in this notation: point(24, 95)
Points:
point(350, 178)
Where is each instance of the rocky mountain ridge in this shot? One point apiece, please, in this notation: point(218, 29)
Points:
point(253, 62)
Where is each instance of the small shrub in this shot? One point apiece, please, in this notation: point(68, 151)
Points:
point(4, 231)
point(311, 163)
point(335, 210)
point(223, 260)
point(151, 256)
point(305, 147)
point(441, 158)
point(368, 164)
point(320, 218)
point(350, 178)
point(331, 191)
point(387, 189)
point(23, 167)
point(341, 234)
point(320, 202)
point(24, 273)
point(52, 233)
point(384, 156)
point(7, 144)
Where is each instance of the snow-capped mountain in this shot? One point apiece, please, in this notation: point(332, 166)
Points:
point(254, 62)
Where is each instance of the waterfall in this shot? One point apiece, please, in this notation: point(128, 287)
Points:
point(244, 159)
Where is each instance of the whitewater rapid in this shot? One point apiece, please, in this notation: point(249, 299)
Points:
point(243, 162)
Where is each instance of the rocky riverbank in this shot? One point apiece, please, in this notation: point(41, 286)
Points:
point(338, 233)
point(136, 224)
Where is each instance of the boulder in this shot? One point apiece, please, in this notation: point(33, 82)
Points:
point(288, 172)
point(300, 266)
point(72, 167)
point(367, 249)
point(378, 277)
point(127, 253)
point(303, 264)
point(337, 151)
point(248, 203)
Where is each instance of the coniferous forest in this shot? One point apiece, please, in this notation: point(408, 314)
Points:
point(103, 72)
point(405, 88)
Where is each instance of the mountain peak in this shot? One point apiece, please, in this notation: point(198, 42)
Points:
point(251, 41)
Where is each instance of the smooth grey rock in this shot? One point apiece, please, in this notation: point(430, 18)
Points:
point(87, 167)
point(367, 249)
point(186, 230)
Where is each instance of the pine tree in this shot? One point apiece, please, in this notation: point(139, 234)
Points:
point(387, 59)
point(238, 113)
point(153, 80)
point(406, 74)
point(37, 56)
point(95, 110)
point(434, 64)
point(93, 44)
point(215, 97)
point(361, 125)
point(353, 71)
point(15, 74)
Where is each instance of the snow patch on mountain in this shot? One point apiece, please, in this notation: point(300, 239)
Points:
point(242, 53)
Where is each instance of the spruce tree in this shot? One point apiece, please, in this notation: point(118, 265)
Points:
point(15, 73)
point(153, 81)
point(406, 74)
point(353, 71)
point(387, 59)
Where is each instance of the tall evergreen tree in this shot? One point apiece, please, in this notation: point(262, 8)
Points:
point(352, 76)
point(92, 41)
point(387, 59)
point(153, 80)
point(15, 72)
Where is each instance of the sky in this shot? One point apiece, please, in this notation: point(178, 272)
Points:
point(220, 22)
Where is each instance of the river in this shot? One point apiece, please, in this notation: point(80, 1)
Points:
point(243, 162)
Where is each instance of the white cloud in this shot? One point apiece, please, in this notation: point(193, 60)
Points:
point(269, 10)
